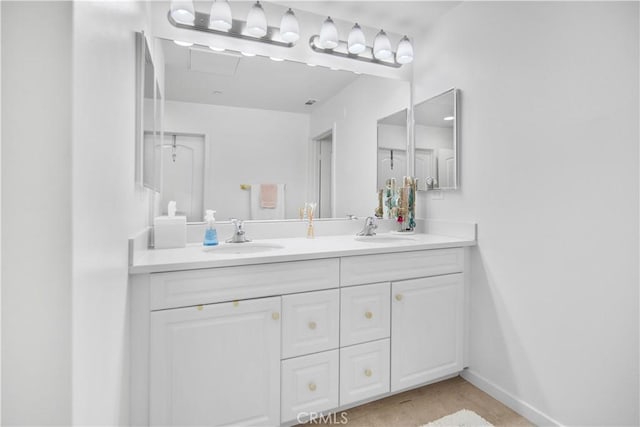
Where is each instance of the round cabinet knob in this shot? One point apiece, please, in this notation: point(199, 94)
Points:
point(275, 316)
point(399, 297)
point(368, 372)
point(312, 325)
point(312, 386)
point(368, 314)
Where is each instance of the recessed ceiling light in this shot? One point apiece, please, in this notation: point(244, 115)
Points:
point(248, 54)
point(276, 59)
point(181, 43)
point(217, 49)
point(448, 118)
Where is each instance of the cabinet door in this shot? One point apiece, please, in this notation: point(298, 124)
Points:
point(364, 313)
point(216, 364)
point(309, 385)
point(427, 329)
point(310, 322)
point(364, 371)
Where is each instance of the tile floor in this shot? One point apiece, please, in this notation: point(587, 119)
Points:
point(428, 403)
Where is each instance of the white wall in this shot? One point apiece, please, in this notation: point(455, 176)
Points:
point(107, 207)
point(549, 137)
point(354, 114)
point(246, 146)
point(392, 137)
point(433, 137)
point(36, 199)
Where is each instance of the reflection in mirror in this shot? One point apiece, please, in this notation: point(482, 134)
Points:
point(436, 156)
point(259, 137)
point(150, 105)
point(392, 148)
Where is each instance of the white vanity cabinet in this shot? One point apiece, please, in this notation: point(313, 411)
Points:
point(216, 364)
point(273, 343)
point(427, 329)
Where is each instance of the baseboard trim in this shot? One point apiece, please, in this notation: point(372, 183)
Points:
point(523, 408)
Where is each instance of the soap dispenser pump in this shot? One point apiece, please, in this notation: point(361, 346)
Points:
point(210, 235)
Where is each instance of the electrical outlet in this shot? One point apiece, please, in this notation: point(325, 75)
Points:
point(436, 195)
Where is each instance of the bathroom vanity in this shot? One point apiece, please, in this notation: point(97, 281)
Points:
point(288, 328)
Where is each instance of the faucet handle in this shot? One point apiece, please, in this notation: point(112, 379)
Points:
point(237, 224)
point(371, 222)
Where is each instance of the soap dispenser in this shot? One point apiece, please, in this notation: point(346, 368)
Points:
point(211, 235)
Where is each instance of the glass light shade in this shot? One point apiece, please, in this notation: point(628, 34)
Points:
point(182, 11)
point(382, 46)
point(220, 16)
point(257, 21)
point(328, 34)
point(289, 27)
point(404, 52)
point(356, 43)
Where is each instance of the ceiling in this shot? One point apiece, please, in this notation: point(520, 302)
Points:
point(200, 75)
point(400, 17)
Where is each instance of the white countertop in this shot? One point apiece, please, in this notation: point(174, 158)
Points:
point(196, 256)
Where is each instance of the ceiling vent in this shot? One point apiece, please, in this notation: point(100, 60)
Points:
point(208, 61)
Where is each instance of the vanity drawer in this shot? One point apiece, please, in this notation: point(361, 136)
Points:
point(196, 287)
point(309, 384)
point(310, 322)
point(365, 313)
point(364, 371)
point(363, 269)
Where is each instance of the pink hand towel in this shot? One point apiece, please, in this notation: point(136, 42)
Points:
point(268, 196)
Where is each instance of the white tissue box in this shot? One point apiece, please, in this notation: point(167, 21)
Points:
point(169, 232)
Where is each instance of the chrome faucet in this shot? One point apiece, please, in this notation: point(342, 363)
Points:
point(369, 227)
point(238, 233)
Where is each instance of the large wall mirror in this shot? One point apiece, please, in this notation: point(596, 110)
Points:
point(239, 130)
point(436, 142)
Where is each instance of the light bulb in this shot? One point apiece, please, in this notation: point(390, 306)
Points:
point(382, 46)
point(328, 34)
point(356, 43)
point(289, 27)
point(257, 21)
point(404, 52)
point(220, 16)
point(182, 11)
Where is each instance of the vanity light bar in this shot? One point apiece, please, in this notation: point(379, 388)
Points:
point(237, 30)
point(342, 51)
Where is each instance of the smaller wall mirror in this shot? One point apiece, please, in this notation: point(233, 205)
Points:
point(149, 117)
point(436, 142)
point(392, 148)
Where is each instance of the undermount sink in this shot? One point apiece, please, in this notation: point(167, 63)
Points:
point(243, 248)
point(383, 238)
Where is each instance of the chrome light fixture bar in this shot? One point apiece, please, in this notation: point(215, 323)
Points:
point(238, 30)
point(342, 50)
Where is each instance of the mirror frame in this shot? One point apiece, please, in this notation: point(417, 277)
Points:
point(456, 139)
point(143, 57)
